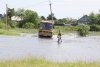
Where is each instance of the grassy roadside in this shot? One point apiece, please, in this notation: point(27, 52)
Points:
point(16, 32)
point(21, 30)
point(8, 32)
point(94, 33)
point(44, 63)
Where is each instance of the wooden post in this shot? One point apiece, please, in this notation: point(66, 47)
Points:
point(51, 10)
point(6, 16)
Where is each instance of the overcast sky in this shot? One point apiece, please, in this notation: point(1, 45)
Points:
point(61, 8)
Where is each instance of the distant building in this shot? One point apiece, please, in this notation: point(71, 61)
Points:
point(84, 20)
point(16, 18)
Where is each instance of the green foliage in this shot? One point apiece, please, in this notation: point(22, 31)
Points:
point(50, 17)
point(20, 12)
point(11, 12)
point(8, 32)
point(27, 16)
point(43, 18)
point(68, 28)
point(20, 24)
point(13, 24)
point(28, 25)
point(94, 18)
point(95, 28)
point(83, 30)
point(67, 21)
point(44, 63)
point(2, 24)
point(98, 18)
point(73, 28)
point(32, 17)
point(23, 30)
point(64, 20)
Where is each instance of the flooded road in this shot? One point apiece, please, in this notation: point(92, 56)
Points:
point(73, 48)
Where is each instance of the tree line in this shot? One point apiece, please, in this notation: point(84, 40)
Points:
point(30, 19)
point(94, 18)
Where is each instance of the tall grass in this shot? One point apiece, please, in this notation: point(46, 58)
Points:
point(44, 63)
point(8, 32)
point(66, 29)
point(23, 30)
point(16, 31)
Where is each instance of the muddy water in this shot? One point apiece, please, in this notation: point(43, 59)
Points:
point(73, 48)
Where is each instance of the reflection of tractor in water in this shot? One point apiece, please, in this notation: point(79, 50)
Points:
point(46, 29)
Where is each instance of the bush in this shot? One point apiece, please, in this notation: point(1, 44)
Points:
point(28, 25)
point(83, 30)
point(94, 28)
point(2, 24)
point(13, 24)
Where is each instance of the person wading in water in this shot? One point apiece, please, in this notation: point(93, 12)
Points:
point(59, 37)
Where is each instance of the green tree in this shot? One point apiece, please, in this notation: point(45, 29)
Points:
point(20, 13)
point(72, 21)
point(10, 12)
point(67, 21)
point(94, 27)
point(59, 21)
point(93, 19)
point(43, 18)
point(50, 17)
point(98, 19)
point(32, 17)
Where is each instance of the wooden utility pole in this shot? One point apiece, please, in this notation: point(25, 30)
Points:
point(51, 10)
point(6, 16)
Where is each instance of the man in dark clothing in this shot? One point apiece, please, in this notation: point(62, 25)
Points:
point(59, 37)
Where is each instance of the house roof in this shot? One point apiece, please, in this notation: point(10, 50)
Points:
point(85, 18)
point(16, 18)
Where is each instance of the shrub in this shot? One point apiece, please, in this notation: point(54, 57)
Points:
point(2, 24)
point(28, 25)
point(13, 24)
point(83, 30)
point(94, 28)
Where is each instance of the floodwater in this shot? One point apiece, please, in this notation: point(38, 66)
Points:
point(72, 48)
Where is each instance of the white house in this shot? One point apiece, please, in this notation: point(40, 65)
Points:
point(16, 18)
